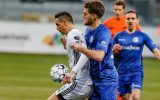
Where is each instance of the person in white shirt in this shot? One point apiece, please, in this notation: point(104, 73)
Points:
point(78, 83)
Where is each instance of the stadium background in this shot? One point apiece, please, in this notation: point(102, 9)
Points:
point(25, 61)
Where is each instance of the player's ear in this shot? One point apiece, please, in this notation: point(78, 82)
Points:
point(94, 16)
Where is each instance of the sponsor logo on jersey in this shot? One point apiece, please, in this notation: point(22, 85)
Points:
point(77, 39)
point(131, 47)
point(135, 39)
point(121, 40)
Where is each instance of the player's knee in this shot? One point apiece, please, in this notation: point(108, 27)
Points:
point(135, 97)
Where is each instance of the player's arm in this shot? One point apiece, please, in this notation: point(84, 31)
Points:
point(152, 46)
point(156, 53)
point(93, 54)
point(80, 64)
point(117, 47)
point(101, 47)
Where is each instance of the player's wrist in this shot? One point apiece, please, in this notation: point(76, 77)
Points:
point(73, 72)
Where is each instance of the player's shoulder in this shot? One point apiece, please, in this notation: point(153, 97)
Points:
point(75, 31)
point(140, 33)
point(121, 33)
point(103, 29)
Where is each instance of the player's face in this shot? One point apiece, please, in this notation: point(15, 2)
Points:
point(87, 17)
point(118, 11)
point(60, 25)
point(131, 20)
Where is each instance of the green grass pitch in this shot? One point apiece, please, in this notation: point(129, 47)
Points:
point(26, 77)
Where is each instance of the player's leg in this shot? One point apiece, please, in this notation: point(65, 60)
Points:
point(72, 91)
point(127, 96)
point(56, 97)
point(137, 86)
point(136, 94)
point(65, 90)
point(53, 97)
point(124, 88)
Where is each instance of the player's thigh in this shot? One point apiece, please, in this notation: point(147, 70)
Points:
point(124, 86)
point(127, 96)
point(74, 91)
point(137, 82)
point(53, 97)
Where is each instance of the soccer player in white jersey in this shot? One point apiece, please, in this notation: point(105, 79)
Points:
point(78, 84)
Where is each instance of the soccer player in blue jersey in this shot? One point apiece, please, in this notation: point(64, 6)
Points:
point(130, 67)
point(99, 50)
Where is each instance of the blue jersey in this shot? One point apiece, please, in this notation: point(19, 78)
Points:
point(100, 39)
point(130, 57)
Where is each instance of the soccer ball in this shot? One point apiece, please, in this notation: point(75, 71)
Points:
point(58, 72)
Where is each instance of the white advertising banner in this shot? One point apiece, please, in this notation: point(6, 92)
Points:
point(28, 38)
point(21, 37)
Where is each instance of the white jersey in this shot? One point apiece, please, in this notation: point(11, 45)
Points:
point(83, 75)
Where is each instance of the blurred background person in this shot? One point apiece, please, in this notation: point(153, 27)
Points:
point(117, 23)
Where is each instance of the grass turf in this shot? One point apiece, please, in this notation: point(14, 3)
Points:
point(26, 77)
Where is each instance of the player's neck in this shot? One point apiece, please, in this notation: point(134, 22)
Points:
point(95, 24)
point(119, 17)
point(70, 27)
point(131, 31)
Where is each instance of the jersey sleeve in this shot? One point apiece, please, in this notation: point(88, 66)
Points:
point(81, 62)
point(72, 39)
point(104, 39)
point(149, 43)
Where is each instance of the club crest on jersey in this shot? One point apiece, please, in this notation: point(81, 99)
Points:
point(91, 39)
point(103, 42)
point(135, 39)
point(77, 39)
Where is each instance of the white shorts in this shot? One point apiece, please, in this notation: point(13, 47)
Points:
point(74, 91)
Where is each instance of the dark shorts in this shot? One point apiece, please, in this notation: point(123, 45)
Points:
point(105, 92)
point(127, 83)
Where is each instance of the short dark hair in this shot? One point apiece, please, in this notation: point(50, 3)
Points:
point(95, 7)
point(133, 11)
point(64, 16)
point(120, 3)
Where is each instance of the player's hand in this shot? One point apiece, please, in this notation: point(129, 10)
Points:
point(69, 77)
point(63, 40)
point(78, 47)
point(117, 47)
